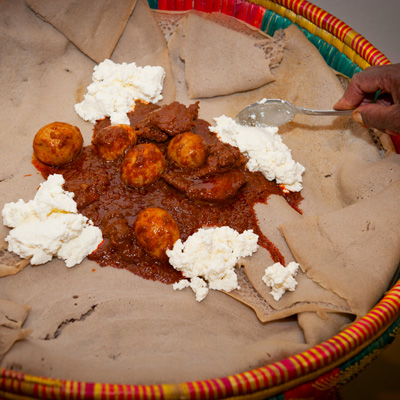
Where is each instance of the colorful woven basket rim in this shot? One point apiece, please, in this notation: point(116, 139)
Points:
point(299, 370)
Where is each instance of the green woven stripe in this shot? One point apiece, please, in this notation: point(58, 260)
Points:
point(153, 4)
point(333, 57)
point(272, 22)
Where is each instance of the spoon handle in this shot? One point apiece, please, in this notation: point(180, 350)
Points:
point(324, 112)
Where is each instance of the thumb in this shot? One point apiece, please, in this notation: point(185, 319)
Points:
point(384, 118)
point(345, 104)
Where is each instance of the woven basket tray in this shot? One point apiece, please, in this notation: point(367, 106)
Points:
point(320, 371)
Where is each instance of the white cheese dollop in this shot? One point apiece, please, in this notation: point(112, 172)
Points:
point(281, 278)
point(209, 257)
point(49, 226)
point(265, 150)
point(114, 89)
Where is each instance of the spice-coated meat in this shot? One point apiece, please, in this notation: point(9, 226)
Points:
point(214, 188)
point(171, 120)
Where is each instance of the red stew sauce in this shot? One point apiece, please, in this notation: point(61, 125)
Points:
point(113, 206)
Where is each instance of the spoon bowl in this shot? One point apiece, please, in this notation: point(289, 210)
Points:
point(276, 112)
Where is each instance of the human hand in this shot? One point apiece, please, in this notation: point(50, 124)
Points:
point(384, 114)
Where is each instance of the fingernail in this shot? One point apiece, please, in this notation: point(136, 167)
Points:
point(358, 117)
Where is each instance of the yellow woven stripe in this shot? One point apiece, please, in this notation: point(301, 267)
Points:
point(254, 381)
point(67, 387)
point(185, 391)
point(345, 345)
point(309, 359)
point(380, 316)
point(394, 300)
point(215, 387)
point(372, 320)
point(106, 391)
point(124, 389)
point(351, 341)
point(222, 386)
point(318, 355)
point(277, 374)
point(235, 384)
point(332, 346)
point(98, 390)
point(363, 332)
point(42, 381)
point(300, 362)
point(317, 15)
point(196, 388)
point(264, 378)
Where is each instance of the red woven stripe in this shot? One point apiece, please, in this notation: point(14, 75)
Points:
point(321, 358)
point(218, 390)
point(238, 384)
point(302, 8)
point(342, 30)
point(389, 307)
point(290, 368)
point(366, 326)
point(255, 380)
point(282, 375)
point(247, 383)
point(314, 14)
point(380, 319)
point(331, 354)
point(269, 372)
point(209, 390)
point(305, 360)
point(312, 360)
point(300, 363)
point(328, 18)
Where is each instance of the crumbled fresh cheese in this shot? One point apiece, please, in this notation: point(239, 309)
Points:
point(265, 150)
point(281, 278)
point(209, 256)
point(49, 225)
point(114, 89)
point(197, 284)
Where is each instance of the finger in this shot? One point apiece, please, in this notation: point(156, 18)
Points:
point(384, 118)
point(352, 98)
point(362, 86)
point(385, 79)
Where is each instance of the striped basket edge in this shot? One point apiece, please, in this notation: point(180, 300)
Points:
point(329, 28)
point(320, 361)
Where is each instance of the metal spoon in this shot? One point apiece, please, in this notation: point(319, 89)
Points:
point(276, 112)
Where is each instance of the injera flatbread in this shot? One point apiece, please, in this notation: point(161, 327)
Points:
point(105, 324)
point(239, 65)
point(12, 317)
point(359, 180)
point(326, 323)
point(10, 263)
point(354, 251)
point(94, 26)
point(309, 295)
point(102, 324)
